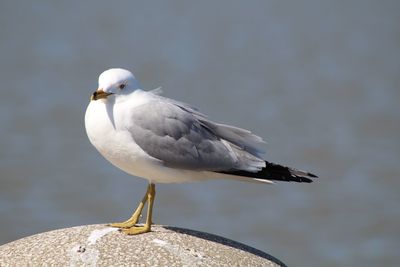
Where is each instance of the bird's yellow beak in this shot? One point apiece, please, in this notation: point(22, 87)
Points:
point(99, 94)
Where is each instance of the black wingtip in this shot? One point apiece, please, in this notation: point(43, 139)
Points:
point(299, 179)
point(312, 175)
point(276, 172)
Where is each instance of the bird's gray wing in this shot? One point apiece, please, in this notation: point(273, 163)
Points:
point(242, 138)
point(181, 137)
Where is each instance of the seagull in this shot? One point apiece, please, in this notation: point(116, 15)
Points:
point(168, 141)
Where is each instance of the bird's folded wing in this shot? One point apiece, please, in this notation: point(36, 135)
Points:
point(181, 137)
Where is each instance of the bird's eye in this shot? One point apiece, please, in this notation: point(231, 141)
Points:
point(121, 86)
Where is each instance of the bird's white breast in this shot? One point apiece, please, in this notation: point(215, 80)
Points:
point(104, 126)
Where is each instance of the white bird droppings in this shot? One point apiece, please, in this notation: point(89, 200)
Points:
point(97, 234)
point(160, 242)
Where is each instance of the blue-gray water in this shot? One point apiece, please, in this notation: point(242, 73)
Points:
point(320, 82)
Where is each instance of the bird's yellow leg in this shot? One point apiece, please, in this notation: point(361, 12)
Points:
point(147, 227)
point(135, 216)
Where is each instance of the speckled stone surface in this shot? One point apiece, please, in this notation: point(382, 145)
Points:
point(100, 245)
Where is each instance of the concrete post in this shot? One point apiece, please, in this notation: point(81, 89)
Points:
point(100, 245)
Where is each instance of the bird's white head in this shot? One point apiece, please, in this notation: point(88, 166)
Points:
point(115, 82)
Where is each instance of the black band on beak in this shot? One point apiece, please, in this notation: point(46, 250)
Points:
point(99, 94)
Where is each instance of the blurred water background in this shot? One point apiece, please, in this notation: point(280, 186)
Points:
point(318, 80)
